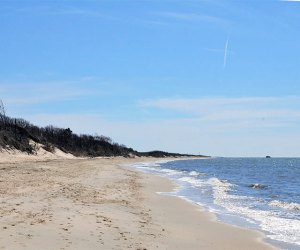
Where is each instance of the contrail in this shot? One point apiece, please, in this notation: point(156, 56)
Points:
point(225, 53)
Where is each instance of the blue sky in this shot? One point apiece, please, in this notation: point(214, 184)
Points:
point(211, 77)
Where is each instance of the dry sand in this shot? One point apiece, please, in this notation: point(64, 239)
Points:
point(100, 204)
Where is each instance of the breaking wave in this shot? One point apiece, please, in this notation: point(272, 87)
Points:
point(285, 205)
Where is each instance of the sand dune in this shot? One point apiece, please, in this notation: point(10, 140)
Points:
point(10, 155)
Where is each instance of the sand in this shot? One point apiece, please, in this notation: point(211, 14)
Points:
point(102, 204)
point(10, 155)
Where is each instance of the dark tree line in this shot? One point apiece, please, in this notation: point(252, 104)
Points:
point(17, 133)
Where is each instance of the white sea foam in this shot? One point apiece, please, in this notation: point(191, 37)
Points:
point(192, 180)
point(281, 229)
point(169, 171)
point(194, 173)
point(220, 189)
point(285, 205)
point(144, 165)
point(146, 168)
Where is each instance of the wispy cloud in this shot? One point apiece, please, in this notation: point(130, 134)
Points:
point(154, 22)
point(65, 11)
point(44, 92)
point(193, 17)
point(243, 110)
point(191, 104)
point(77, 11)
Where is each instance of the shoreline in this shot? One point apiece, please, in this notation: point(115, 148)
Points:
point(228, 236)
point(238, 222)
point(100, 203)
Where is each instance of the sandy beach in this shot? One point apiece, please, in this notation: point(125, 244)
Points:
point(102, 204)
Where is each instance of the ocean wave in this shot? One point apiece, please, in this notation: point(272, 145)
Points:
point(195, 173)
point(285, 205)
point(220, 183)
point(258, 186)
point(221, 190)
point(286, 230)
point(279, 228)
point(191, 180)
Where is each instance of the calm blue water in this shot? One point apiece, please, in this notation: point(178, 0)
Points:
point(256, 193)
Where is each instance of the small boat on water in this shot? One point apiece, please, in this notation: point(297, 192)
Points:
point(268, 156)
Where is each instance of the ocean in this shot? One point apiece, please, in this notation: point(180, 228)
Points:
point(256, 193)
